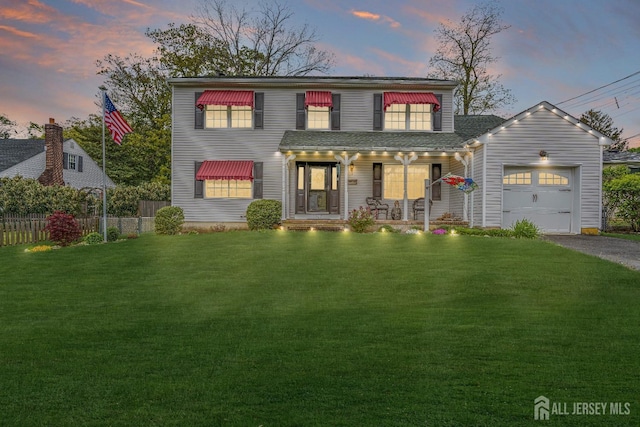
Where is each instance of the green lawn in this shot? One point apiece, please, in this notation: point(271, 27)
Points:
point(623, 236)
point(314, 329)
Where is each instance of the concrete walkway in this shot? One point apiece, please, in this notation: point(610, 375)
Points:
point(621, 251)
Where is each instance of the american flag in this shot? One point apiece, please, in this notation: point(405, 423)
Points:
point(117, 125)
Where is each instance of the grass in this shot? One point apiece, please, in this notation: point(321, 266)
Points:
point(626, 236)
point(314, 329)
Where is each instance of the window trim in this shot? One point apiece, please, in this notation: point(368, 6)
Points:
point(230, 109)
point(427, 168)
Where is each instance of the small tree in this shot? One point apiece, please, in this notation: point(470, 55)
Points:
point(63, 228)
point(603, 123)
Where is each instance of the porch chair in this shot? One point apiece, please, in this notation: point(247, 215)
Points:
point(376, 207)
point(418, 206)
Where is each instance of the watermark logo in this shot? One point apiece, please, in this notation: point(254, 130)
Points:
point(541, 408)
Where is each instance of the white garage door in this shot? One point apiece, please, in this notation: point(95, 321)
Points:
point(541, 195)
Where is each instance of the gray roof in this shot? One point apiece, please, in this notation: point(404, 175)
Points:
point(369, 141)
point(467, 127)
point(620, 157)
point(14, 151)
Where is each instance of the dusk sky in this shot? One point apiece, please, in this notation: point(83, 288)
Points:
point(555, 49)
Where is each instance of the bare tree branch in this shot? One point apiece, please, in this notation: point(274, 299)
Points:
point(463, 55)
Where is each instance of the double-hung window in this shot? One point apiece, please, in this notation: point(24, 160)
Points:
point(228, 179)
point(410, 110)
point(318, 110)
point(227, 108)
point(393, 181)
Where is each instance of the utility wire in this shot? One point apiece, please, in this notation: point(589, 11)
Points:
point(601, 87)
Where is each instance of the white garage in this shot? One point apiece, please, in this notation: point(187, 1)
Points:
point(545, 196)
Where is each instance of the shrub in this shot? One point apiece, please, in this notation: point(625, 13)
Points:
point(93, 238)
point(622, 197)
point(490, 232)
point(23, 196)
point(388, 229)
point(63, 228)
point(264, 214)
point(360, 219)
point(112, 234)
point(169, 220)
point(525, 229)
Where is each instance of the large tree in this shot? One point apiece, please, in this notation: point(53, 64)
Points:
point(464, 55)
point(262, 43)
point(603, 123)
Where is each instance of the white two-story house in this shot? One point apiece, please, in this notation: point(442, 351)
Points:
point(324, 145)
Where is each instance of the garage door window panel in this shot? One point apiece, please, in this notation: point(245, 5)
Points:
point(545, 178)
point(517, 178)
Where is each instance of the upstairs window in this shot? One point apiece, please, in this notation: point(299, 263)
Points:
point(318, 110)
point(72, 162)
point(227, 108)
point(228, 116)
point(410, 111)
point(317, 117)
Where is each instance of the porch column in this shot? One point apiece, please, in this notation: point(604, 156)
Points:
point(406, 160)
point(465, 162)
point(346, 161)
point(285, 184)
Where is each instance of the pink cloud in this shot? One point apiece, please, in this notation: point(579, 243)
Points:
point(362, 14)
point(16, 32)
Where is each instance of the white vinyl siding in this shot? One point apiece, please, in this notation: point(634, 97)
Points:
point(567, 146)
point(191, 145)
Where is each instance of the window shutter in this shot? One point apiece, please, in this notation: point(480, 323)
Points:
point(377, 111)
point(257, 180)
point(79, 165)
point(300, 112)
point(65, 160)
point(198, 192)
point(199, 114)
point(436, 189)
point(377, 181)
point(258, 111)
point(335, 112)
point(437, 117)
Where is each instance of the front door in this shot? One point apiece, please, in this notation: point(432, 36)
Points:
point(317, 188)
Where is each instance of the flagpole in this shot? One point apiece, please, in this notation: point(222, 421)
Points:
point(104, 169)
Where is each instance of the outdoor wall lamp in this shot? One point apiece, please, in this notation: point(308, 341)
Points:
point(352, 166)
point(543, 155)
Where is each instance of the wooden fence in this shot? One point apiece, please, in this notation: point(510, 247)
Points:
point(23, 230)
point(148, 208)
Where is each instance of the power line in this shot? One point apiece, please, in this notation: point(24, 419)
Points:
point(601, 87)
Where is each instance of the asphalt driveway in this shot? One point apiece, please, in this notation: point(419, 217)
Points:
point(621, 251)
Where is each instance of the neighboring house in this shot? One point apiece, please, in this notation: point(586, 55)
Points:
point(630, 159)
point(51, 161)
point(322, 145)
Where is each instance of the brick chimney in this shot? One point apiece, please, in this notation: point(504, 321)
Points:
point(52, 174)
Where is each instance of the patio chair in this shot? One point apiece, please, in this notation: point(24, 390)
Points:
point(376, 207)
point(418, 206)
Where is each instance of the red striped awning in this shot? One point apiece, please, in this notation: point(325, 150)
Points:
point(411, 98)
point(226, 169)
point(225, 97)
point(318, 99)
